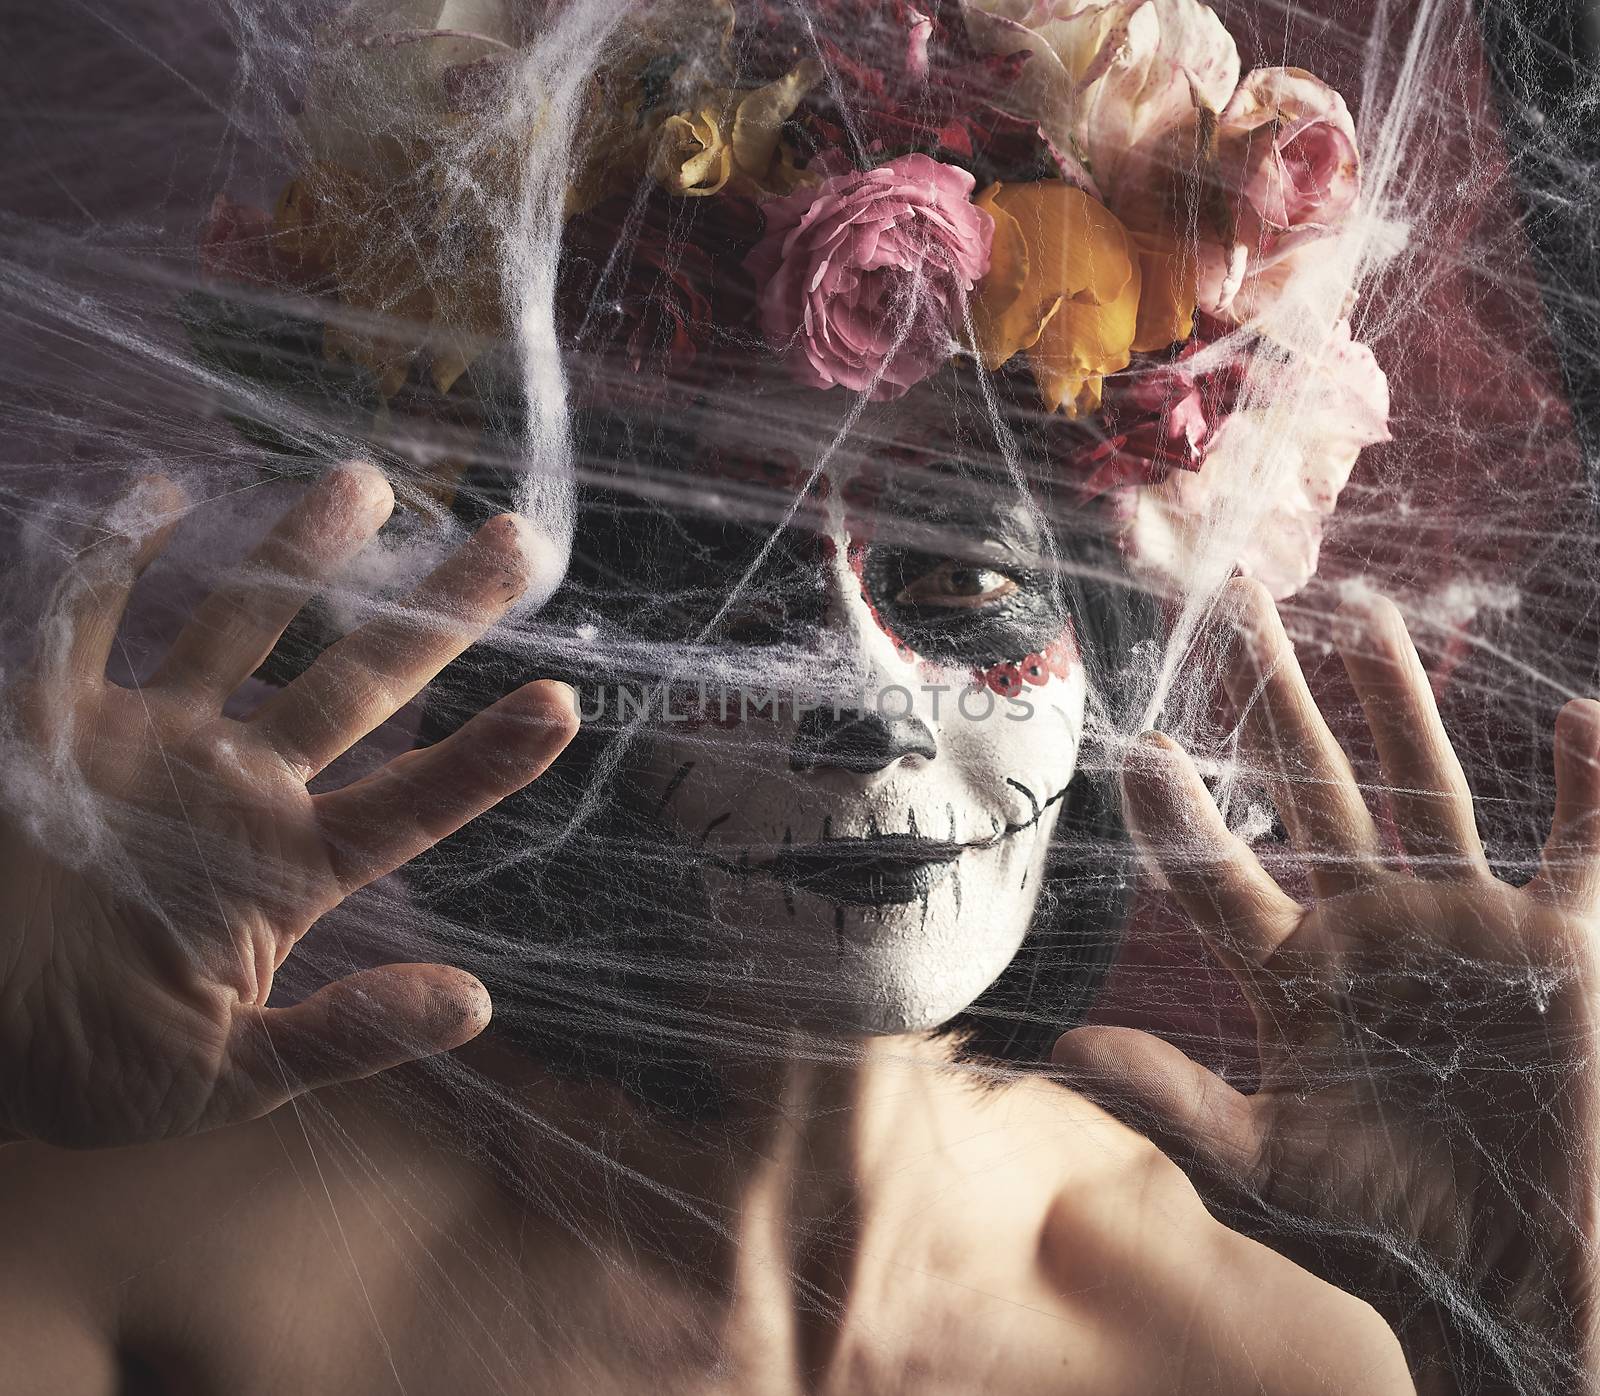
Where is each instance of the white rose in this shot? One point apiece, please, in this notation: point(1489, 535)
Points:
point(1271, 478)
point(1119, 85)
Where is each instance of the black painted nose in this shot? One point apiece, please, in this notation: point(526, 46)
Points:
point(855, 741)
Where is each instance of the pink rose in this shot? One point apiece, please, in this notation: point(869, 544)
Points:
point(863, 280)
point(1292, 173)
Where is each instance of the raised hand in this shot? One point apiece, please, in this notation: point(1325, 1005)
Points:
point(1426, 1127)
point(158, 861)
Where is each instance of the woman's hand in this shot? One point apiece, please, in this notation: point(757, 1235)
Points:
point(158, 861)
point(1426, 1127)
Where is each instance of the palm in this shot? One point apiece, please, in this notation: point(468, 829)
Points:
point(1408, 1036)
point(177, 856)
point(249, 854)
point(1424, 1111)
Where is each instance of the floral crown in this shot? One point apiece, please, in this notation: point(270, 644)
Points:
point(1083, 196)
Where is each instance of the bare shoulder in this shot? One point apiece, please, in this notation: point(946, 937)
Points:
point(90, 1234)
point(109, 1214)
point(1194, 1306)
point(118, 1259)
point(55, 1324)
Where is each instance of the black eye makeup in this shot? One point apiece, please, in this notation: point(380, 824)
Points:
point(952, 565)
point(969, 610)
point(956, 569)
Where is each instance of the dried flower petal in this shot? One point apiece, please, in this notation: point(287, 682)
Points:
point(1077, 309)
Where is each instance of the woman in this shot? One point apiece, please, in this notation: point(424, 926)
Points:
point(794, 1186)
point(854, 1218)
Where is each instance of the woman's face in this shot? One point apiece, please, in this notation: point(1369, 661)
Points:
point(892, 713)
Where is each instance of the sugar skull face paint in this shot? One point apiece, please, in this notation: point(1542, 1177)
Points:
point(874, 852)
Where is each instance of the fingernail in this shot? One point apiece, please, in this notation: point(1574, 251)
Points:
point(1147, 754)
point(1368, 607)
point(143, 507)
point(511, 527)
point(1242, 595)
point(363, 474)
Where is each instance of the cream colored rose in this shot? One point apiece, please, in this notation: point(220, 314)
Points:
point(1127, 87)
point(692, 155)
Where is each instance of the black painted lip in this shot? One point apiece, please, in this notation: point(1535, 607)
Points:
point(885, 871)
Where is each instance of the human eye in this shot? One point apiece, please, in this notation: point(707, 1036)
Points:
point(984, 604)
point(957, 584)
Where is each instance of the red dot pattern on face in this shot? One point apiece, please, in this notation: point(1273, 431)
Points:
point(1003, 678)
point(860, 495)
point(1056, 661)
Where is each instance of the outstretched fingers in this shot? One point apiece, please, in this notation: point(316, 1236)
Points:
point(1570, 871)
point(235, 628)
point(1432, 801)
point(1241, 912)
point(82, 617)
point(385, 820)
point(1306, 770)
point(371, 673)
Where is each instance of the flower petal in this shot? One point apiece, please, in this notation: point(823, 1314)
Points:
point(1168, 282)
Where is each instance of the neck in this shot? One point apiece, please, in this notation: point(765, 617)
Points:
point(821, 1207)
point(815, 1174)
point(830, 1123)
point(808, 1152)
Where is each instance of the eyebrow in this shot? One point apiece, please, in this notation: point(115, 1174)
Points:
point(951, 497)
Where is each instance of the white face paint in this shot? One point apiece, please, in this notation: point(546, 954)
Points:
point(876, 866)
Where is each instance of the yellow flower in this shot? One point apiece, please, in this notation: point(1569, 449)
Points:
point(1064, 285)
point(1168, 280)
point(732, 135)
